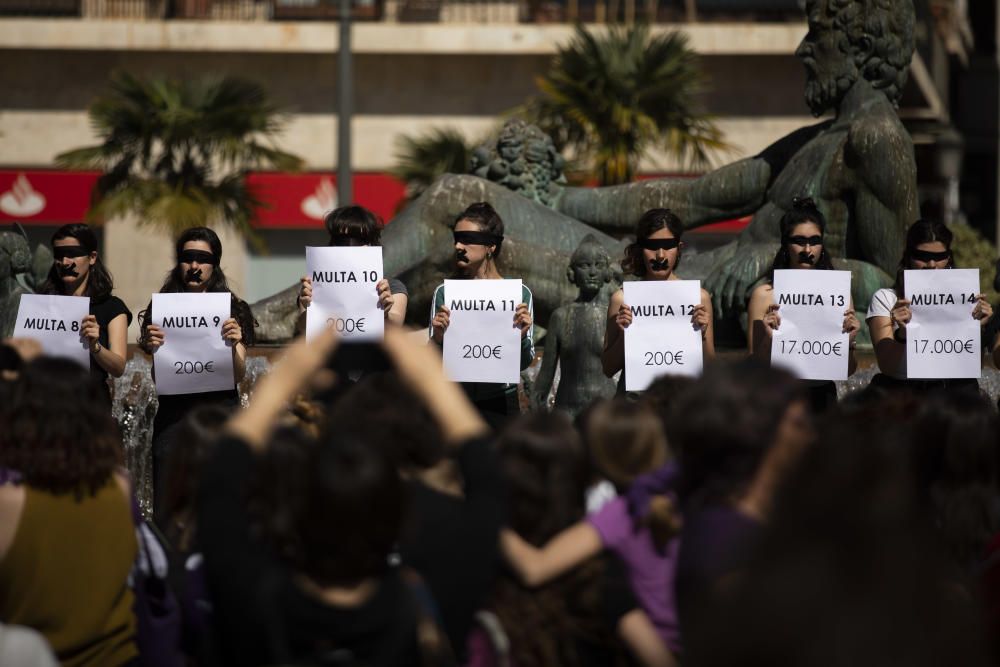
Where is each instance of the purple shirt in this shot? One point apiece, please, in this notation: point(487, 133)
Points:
point(650, 573)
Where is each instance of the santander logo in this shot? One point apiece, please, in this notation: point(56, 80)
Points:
point(322, 201)
point(22, 201)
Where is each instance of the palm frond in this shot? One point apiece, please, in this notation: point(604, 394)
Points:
point(423, 159)
point(175, 153)
point(613, 98)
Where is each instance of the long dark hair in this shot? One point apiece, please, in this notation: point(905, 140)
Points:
point(803, 210)
point(651, 221)
point(99, 281)
point(216, 283)
point(920, 232)
point(545, 470)
point(58, 432)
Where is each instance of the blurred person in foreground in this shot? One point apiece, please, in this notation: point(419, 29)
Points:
point(67, 540)
point(849, 570)
point(330, 593)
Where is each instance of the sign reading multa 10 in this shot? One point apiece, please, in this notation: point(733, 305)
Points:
point(345, 295)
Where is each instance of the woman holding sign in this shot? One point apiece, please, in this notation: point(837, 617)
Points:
point(198, 251)
point(357, 226)
point(928, 247)
point(478, 237)
point(77, 270)
point(802, 229)
point(654, 255)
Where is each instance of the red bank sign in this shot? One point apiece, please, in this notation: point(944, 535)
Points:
point(291, 201)
point(295, 201)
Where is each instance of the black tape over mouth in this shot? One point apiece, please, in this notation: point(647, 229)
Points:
point(193, 276)
point(807, 258)
point(461, 256)
point(659, 264)
point(67, 270)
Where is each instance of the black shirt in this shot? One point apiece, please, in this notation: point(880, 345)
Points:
point(452, 542)
point(105, 310)
point(261, 615)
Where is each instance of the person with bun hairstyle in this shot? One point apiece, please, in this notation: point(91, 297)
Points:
point(928, 247)
point(357, 226)
point(77, 270)
point(654, 255)
point(478, 238)
point(802, 247)
point(199, 252)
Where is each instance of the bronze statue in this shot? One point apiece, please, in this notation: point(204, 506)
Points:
point(858, 166)
point(576, 335)
point(15, 263)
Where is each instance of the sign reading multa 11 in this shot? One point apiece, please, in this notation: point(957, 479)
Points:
point(345, 294)
point(481, 344)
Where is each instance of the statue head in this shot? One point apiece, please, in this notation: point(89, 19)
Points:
point(589, 267)
point(522, 159)
point(848, 39)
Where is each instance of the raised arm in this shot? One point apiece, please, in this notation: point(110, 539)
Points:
point(758, 332)
point(535, 567)
point(613, 353)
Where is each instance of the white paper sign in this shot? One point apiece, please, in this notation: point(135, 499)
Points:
point(661, 339)
point(343, 292)
point(942, 339)
point(193, 358)
point(54, 321)
point(810, 341)
point(481, 343)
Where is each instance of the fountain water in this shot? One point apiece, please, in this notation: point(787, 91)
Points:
point(134, 407)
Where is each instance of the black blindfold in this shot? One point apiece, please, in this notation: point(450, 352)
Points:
point(659, 244)
point(805, 240)
point(200, 256)
point(477, 238)
point(69, 251)
point(927, 256)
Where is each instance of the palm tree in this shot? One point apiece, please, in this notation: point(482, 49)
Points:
point(422, 159)
point(613, 98)
point(175, 153)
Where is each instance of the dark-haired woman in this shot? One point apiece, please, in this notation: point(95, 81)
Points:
point(802, 247)
point(928, 247)
point(67, 540)
point(478, 238)
point(77, 270)
point(198, 252)
point(357, 226)
point(654, 255)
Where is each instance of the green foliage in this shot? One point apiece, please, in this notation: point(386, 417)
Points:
point(973, 250)
point(613, 98)
point(421, 160)
point(175, 153)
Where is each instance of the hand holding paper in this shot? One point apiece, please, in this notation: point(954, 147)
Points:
point(811, 335)
point(943, 336)
point(662, 337)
